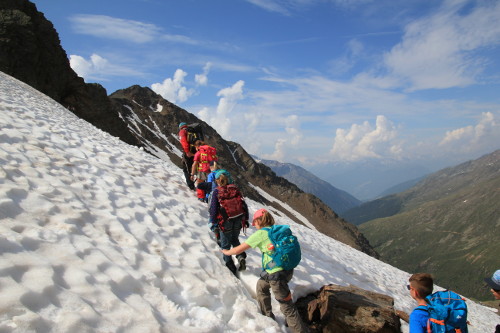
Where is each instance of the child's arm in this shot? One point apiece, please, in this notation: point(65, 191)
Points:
point(194, 168)
point(236, 250)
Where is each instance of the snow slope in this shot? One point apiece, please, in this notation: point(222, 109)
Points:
point(99, 236)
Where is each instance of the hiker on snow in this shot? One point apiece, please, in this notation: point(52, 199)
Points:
point(442, 311)
point(188, 152)
point(201, 165)
point(421, 286)
point(275, 278)
point(228, 215)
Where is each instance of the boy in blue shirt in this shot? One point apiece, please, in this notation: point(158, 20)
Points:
point(421, 286)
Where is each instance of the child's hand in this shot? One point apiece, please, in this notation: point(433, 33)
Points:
point(226, 252)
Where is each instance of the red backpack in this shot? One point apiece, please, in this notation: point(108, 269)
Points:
point(207, 154)
point(231, 203)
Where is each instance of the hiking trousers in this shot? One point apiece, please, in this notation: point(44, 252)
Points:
point(278, 283)
point(187, 164)
point(229, 238)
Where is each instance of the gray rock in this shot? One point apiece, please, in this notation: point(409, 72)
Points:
point(348, 309)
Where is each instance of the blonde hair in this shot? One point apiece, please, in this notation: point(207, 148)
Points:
point(266, 220)
point(222, 180)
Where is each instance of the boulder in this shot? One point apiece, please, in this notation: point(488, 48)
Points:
point(348, 309)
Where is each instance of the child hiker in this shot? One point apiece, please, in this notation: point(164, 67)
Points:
point(421, 286)
point(228, 215)
point(276, 278)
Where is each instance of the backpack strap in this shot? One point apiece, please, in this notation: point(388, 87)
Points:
point(268, 229)
point(422, 308)
point(425, 309)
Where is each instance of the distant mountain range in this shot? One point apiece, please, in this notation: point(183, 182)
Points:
point(369, 179)
point(336, 199)
point(448, 224)
point(30, 51)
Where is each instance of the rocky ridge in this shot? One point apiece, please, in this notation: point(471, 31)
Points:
point(338, 200)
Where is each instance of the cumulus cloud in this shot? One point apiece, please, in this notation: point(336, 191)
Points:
point(293, 138)
point(98, 68)
point(365, 141)
point(85, 68)
point(470, 137)
point(220, 119)
point(293, 129)
point(229, 98)
point(173, 89)
point(441, 51)
point(202, 79)
point(279, 151)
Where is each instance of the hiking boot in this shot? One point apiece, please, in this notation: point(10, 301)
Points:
point(242, 264)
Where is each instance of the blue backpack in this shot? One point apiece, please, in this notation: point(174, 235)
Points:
point(447, 312)
point(286, 252)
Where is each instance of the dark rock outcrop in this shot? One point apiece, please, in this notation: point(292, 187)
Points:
point(348, 309)
point(30, 50)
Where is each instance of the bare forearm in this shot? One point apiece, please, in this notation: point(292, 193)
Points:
point(236, 250)
point(194, 167)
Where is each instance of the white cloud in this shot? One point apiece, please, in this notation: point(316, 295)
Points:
point(279, 151)
point(229, 98)
point(293, 139)
point(271, 5)
point(103, 26)
point(84, 67)
point(364, 141)
point(344, 63)
point(172, 89)
point(441, 51)
point(221, 118)
point(287, 7)
point(293, 129)
point(324, 103)
point(202, 79)
point(98, 68)
point(252, 120)
point(204, 114)
point(470, 137)
point(114, 28)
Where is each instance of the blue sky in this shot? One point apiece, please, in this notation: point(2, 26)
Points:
point(306, 81)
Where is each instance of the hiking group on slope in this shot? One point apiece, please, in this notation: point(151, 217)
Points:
point(228, 215)
point(442, 311)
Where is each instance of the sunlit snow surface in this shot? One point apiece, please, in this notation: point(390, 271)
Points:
point(99, 236)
